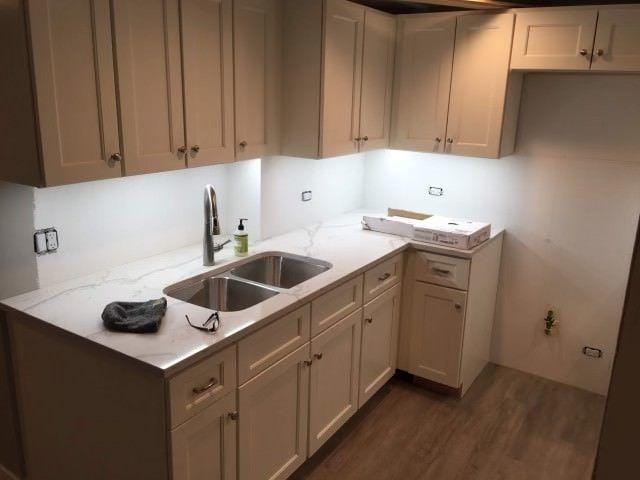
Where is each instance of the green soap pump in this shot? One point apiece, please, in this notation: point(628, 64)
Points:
point(241, 240)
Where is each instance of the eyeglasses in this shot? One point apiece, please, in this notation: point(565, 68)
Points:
point(212, 324)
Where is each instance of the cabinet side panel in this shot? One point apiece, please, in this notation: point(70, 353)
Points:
point(302, 30)
point(10, 442)
point(481, 302)
point(19, 157)
point(89, 414)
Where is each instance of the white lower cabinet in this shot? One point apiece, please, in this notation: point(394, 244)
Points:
point(378, 357)
point(438, 327)
point(273, 416)
point(333, 390)
point(204, 447)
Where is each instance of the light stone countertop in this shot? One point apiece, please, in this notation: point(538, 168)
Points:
point(75, 306)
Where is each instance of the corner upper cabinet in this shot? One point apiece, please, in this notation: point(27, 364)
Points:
point(484, 98)
point(147, 39)
point(422, 81)
point(552, 39)
point(453, 92)
point(337, 67)
point(257, 31)
point(208, 81)
point(75, 104)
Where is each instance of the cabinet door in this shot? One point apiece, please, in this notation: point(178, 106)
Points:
point(422, 82)
point(377, 80)
point(204, 448)
point(617, 45)
point(208, 77)
point(479, 85)
point(147, 38)
point(437, 326)
point(75, 89)
point(554, 39)
point(342, 75)
point(333, 389)
point(379, 342)
point(272, 426)
point(257, 30)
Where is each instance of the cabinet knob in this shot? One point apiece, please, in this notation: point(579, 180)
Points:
point(365, 138)
point(449, 140)
point(368, 320)
point(318, 356)
point(182, 150)
point(457, 306)
point(116, 157)
point(357, 139)
point(233, 416)
point(195, 149)
point(308, 363)
point(600, 52)
point(438, 139)
point(584, 52)
point(383, 277)
point(243, 144)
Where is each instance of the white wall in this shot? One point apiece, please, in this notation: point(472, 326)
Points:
point(569, 199)
point(336, 183)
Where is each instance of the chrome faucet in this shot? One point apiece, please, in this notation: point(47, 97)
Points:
point(211, 226)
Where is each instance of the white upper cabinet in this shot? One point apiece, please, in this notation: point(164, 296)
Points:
point(337, 79)
point(147, 39)
point(342, 77)
point(73, 72)
point(479, 86)
point(377, 80)
point(617, 45)
point(422, 82)
point(208, 77)
point(554, 39)
point(257, 39)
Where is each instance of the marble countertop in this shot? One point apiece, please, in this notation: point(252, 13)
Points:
point(75, 306)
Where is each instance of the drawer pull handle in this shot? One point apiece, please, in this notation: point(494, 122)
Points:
point(382, 278)
point(203, 388)
point(232, 415)
point(318, 356)
point(458, 306)
point(368, 320)
point(441, 271)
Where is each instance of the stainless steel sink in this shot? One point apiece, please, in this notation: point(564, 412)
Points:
point(247, 285)
point(282, 270)
point(223, 293)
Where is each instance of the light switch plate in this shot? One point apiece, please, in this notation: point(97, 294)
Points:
point(40, 242)
point(306, 195)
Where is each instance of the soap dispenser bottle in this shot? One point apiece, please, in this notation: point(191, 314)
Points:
point(241, 240)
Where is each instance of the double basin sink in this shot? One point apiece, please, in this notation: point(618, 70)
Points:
point(248, 284)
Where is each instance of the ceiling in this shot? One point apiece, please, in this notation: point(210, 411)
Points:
point(417, 6)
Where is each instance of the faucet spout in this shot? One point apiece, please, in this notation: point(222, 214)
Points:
point(211, 225)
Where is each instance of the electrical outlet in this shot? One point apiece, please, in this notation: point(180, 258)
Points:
point(592, 352)
point(436, 191)
point(306, 196)
point(45, 241)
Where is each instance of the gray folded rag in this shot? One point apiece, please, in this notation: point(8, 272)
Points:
point(135, 317)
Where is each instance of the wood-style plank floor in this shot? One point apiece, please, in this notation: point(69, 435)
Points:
point(510, 425)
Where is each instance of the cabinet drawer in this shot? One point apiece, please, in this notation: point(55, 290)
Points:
point(335, 305)
point(196, 388)
point(265, 347)
point(442, 270)
point(382, 276)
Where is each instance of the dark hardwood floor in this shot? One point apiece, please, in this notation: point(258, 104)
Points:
point(510, 425)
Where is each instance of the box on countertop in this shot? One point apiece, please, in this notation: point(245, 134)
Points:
point(452, 232)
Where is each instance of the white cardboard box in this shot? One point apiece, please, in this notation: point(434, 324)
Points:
point(453, 232)
point(401, 226)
